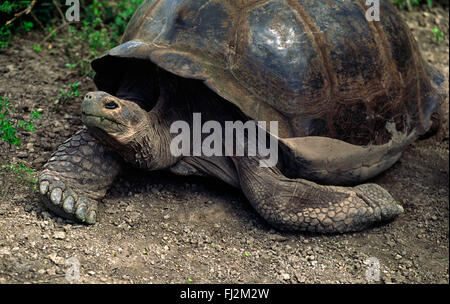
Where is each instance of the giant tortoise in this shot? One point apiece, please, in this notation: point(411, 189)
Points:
point(348, 95)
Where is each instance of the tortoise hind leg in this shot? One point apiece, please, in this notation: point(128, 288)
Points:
point(301, 205)
point(436, 100)
point(76, 176)
point(436, 124)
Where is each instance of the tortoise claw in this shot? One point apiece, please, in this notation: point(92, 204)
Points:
point(56, 196)
point(64, 202)
point(91, 217)
point(43, 187)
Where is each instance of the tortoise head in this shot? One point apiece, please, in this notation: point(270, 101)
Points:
point(129, 129)
point(113, 120)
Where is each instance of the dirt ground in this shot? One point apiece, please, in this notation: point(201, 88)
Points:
point(160, 228)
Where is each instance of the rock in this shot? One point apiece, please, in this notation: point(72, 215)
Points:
point(46, 215)
point(40, 160)
point(59, 235)
point(56, 259)
point(5, 251)
point(300, 277)
point(408, 263)
point(22, 154)
point(310, 258)
point(51, 271)
point(277, 238)
point(67, 227)
point(30, 147)
point(390, 243)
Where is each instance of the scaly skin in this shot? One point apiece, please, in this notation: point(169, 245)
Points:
point(77, 175)
point(82, 169)
point(301, 205)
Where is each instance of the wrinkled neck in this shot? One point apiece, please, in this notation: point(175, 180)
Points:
point(150, 148)
point(178, 100)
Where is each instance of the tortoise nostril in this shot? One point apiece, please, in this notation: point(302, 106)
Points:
point(88, 96)
point(111, 105)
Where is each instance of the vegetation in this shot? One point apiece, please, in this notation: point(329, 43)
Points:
point(21, 16)
point(22, 172)
point(101, 26)
point(9, 126)
point(67, 95)
point(24, 175)
point(409, 4)
point(438, 35)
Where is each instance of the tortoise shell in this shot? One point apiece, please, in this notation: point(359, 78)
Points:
point(319, 68)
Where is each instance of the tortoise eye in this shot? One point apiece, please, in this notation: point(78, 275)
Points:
point(111, 105)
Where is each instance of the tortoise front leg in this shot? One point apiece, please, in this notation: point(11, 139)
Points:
point(301, 205)
point(77, 175)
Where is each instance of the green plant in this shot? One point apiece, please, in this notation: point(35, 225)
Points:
point(69, 94)
point(12, 10)
point(37, 47)
point(9, 127)
point(5, 36)
point(24, 175)
point(21, 16)
point(101, 29)
point(438, 35)
point(71, 66)
point(8, 7)
point(27, 25)
point(409, 4)
point(22, 171)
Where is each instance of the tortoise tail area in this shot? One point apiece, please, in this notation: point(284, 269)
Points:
point(436, 100)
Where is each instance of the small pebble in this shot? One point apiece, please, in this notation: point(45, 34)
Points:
point(59, 235)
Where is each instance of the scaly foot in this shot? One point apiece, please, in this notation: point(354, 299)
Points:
point(76, 176)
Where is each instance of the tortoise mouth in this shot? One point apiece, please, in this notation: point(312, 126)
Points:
point(108, 124)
